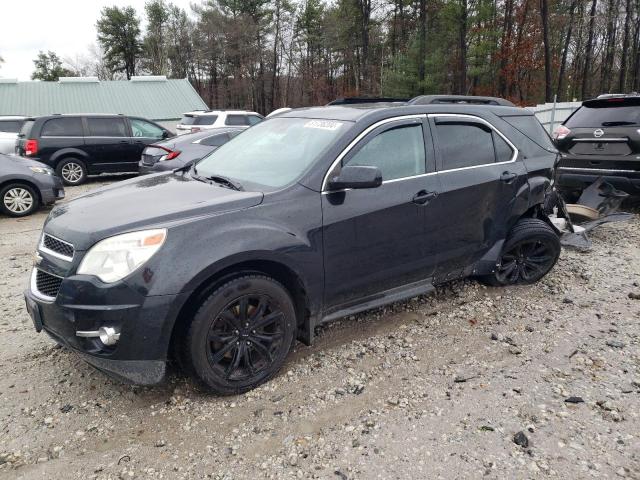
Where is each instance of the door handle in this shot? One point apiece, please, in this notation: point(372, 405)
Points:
point(508, 177)
point(423, 197)
point(124, 141)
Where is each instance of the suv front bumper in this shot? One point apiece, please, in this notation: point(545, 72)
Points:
point(84, 303)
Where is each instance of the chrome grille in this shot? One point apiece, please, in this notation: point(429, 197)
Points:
point(47, 284)
point(57, 247)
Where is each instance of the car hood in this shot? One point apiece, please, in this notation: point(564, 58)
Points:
point(20, 163)
point(147, 202)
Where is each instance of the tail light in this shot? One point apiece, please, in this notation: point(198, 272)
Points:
point(561, 133)
point(195, 130)
point(30, 147)
point(172, 155)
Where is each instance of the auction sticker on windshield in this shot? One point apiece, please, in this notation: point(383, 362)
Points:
point(323, 124)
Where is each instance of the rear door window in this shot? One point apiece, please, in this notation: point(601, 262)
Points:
point(236, 120)
point(63, 127)
point(107, 127)
point(11, 126)
point(464, 144)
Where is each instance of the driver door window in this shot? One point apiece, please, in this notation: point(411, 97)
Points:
point(397, 152)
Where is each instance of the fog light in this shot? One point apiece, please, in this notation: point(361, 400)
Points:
point(108, 335)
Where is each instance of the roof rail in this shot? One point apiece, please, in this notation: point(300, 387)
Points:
point(464, 99)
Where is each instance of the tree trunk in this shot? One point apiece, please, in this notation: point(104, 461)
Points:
point(625, 48)
point(565, 52)
point(462, 74)
point(422, 43)
point(588, 50)
point(507, 29)
point(544, 11)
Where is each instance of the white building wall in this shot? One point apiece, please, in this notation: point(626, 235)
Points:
point(551, 115)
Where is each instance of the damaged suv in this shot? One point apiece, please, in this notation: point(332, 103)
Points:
point(310, 216)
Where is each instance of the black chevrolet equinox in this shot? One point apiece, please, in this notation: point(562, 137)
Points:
point(307, 217)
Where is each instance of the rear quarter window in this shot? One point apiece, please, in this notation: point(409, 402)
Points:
point(25, 131)
point(187, 120)
point(531, 128)
point(62, 127)
point(236, 120)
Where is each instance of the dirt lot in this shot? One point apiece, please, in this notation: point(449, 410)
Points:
point(538, 381)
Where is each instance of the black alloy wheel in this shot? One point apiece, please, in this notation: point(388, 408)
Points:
point(241, 335)
point(529, 253)
point(526, 262)
point(245, 337)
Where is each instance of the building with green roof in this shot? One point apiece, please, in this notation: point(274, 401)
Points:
point(154, 97)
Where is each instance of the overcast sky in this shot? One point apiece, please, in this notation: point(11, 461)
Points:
point(67, 27)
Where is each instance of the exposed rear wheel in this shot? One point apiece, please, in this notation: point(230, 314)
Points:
point(240, 335)
point(72, 171)
point(530, 252)
point(18, 200)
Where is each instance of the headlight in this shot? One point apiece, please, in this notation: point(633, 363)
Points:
point(114, 258)
point(43, 170)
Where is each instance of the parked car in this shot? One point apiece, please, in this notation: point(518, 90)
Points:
point(26, 185)
point(199, 120)
point(10, 125)
point(80, 145)
point(313, 215)
point(600, 139)
point(177, 151)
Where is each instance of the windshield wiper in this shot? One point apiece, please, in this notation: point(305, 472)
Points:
point(225, 182)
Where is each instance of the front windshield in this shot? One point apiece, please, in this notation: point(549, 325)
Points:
point(272, 153)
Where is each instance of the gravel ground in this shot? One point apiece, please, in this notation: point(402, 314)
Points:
point(527, 382)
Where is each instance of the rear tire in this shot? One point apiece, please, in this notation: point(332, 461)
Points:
point(240, 335)
point(530, 252)
point(18, 200)
point(72, 171)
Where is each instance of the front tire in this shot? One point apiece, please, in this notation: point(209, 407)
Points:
point(240, 336)
point(72, 171)
point(18, 200)
point(530, 252)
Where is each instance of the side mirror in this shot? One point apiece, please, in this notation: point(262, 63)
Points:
point(356, 176)
point(166, 134)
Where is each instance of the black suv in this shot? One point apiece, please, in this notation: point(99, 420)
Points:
point(306, 217)
point(601, 139)
point(80, 145)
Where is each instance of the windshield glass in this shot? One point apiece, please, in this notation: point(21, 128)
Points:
point(605, 117)
point(273, 153)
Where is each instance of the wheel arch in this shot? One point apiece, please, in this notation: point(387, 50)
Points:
point(275, 269)
point(65, 153)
